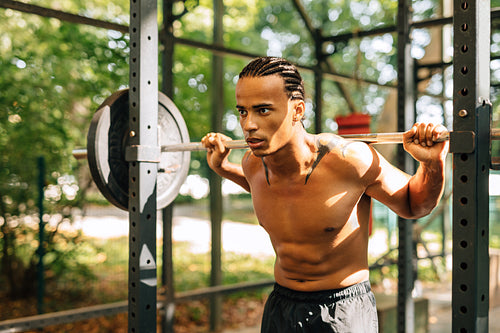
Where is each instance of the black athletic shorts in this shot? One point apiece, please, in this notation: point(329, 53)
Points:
point(351, 309)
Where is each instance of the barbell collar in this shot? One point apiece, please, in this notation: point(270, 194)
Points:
point(142, 153)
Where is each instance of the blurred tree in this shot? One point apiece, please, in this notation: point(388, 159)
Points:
point(53, 75)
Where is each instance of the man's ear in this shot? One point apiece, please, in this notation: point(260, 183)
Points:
point(299, 110)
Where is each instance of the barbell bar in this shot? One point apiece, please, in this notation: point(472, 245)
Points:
point(372, 138)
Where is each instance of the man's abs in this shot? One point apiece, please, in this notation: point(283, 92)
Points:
point(298, 271)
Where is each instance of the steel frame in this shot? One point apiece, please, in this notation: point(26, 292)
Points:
point(471, 160)
point(406, 117)
point(143, 123)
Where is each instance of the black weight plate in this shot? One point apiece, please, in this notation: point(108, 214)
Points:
point(107, 140)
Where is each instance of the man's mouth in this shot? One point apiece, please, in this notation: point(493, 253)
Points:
point(254, 142)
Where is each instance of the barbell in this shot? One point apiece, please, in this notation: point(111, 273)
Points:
point(107, 143)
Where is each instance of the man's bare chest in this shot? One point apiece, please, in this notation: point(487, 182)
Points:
point(305, 209)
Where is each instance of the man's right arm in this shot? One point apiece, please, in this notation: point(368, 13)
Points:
point(217, 159)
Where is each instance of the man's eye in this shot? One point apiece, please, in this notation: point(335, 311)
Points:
point(264, 111)
point(242, 112)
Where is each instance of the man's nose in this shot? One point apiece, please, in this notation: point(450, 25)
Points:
point(249, 123)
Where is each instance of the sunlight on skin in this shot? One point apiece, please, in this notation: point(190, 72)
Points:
point(333, 200)
point(364, 153)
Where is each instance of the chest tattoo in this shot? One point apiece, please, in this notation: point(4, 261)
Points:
point(325, 145)
point(266, 171)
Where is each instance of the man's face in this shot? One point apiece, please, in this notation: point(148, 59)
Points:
point(266, 113)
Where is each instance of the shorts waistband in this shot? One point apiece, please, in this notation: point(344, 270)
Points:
point(332, 295)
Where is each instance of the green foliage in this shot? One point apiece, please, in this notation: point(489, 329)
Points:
point(192, 270)
point(54, 75)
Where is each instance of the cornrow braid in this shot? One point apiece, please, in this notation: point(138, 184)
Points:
point(264, 66)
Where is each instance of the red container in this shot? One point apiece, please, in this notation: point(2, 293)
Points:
point(355, 123)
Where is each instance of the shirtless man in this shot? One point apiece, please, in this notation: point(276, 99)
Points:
point(311, 193)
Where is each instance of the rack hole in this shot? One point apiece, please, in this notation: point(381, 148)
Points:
point(463, 287)
point(464, 179)
point(465, 5)
point(463, 222)
point(464, 91)
point(463, 200)
point(463, 309)
point(464, 157)
point(463, 266)
point(465, 27)
point(463, 244)
point(464, 70)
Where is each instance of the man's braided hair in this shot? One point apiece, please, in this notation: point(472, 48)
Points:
point(264, 66)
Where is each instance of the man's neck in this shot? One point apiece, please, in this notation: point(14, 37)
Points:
point(294, 159)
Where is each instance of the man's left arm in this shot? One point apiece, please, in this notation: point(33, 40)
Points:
point(408, 196)
point(426, 186)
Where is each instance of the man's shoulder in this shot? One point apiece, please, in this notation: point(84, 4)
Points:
point(347, 149)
